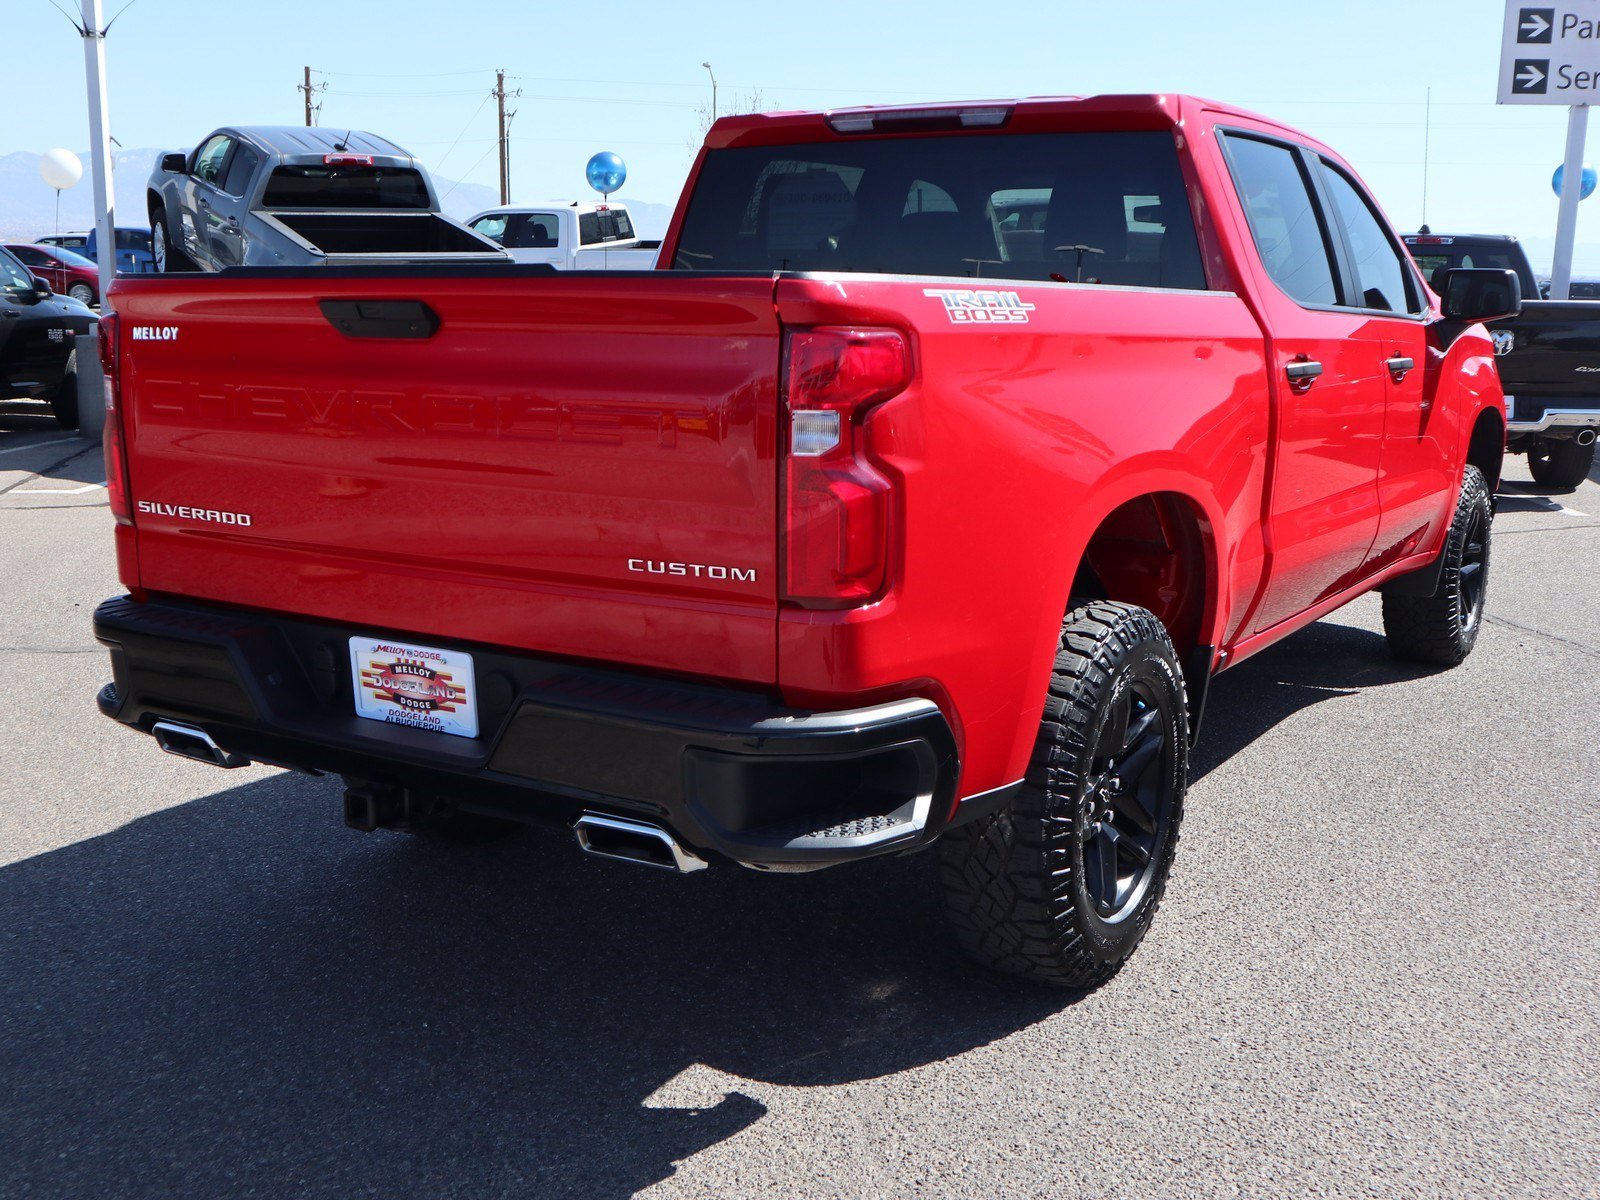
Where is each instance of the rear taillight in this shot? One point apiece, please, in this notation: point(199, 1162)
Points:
point(111, 439)
point(836, 500)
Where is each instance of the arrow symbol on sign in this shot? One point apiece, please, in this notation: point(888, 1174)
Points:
point(1530, 77)
point(1534, 26)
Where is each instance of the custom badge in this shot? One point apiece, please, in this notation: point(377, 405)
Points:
point(969, 306)
point(414, 685)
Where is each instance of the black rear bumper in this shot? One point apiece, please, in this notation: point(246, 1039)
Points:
point(727, 771)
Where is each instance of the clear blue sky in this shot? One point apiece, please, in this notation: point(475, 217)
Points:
point(628, 78)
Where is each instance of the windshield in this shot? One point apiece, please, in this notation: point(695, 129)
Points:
point(318, 186)
point(1076, 207)
point(73, 260)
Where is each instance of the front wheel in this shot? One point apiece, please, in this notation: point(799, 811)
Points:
point(1560, 464)
point(164, 249)
point(1443, 628)
point(1061, 885)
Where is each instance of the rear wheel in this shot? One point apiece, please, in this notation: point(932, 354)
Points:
point(82, 293)
point(1443, 628)
point(64, 400)
point(1062, 885)
point(1560, 464)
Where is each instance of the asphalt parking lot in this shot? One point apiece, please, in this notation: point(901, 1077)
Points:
point(1376, 973)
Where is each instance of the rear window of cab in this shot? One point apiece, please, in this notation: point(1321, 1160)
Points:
point(1097, 207)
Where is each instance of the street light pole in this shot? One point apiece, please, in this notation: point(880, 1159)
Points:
point(94, 69)
point(707, 66)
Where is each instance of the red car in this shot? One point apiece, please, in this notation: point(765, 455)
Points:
point(68, 273)
point(912, 502)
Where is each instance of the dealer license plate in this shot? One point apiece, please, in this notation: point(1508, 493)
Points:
point(421, 686)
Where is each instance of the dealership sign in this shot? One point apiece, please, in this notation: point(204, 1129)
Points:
point(1550, 53)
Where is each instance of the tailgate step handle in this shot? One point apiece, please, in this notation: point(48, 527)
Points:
point(381, 318)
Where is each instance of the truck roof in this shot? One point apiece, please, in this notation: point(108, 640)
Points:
point(1028, 114)
point(1504, 238)
point(291, 141)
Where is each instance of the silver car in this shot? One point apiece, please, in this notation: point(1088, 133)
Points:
point(291, 196)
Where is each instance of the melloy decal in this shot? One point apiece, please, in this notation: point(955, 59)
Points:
point(968, 306)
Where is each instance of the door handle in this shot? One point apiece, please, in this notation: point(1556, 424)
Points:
point(1398, 366)
point(1302, 373)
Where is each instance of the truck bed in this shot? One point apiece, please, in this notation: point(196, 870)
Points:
point(346, 236)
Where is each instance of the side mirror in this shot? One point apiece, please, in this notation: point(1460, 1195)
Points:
point(1473, 294)
point(175, 163)
point(41, 288)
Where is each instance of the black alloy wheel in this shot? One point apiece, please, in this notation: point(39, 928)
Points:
point(1125, 813)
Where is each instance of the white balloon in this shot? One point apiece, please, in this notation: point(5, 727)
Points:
point(61, 169)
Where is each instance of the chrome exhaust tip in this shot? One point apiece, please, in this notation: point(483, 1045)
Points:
point(1585, 437)
point(190, 741)
point(635, 842)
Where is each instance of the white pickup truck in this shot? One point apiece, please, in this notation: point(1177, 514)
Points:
point(568, 235)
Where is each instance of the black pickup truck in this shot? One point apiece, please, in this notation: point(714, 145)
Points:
point(1548, 355)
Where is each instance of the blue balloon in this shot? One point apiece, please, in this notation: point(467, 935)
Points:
point(607, 172)
point(1586, 183)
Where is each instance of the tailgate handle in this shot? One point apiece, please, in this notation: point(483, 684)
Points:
point(381, 318)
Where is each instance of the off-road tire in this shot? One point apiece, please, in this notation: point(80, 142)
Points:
point(1015, 884)
point(1441, 629)
point(64, 400)
point(1560, 464)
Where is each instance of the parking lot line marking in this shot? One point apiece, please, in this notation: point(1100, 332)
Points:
point(36, 445)
point(88, 487)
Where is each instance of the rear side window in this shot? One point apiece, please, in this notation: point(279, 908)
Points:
point(241, 171)
point(133, 239)
point(1105, 208)
point(1381, 272)
point(1288, 233)
point(345, 186)
point(612, 225)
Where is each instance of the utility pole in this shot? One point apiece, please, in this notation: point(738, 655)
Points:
point(501, 96)
point(311, 90)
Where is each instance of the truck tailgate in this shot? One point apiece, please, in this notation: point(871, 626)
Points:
point(574, 465)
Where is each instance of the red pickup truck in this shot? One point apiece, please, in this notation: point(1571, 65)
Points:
point(915, 498)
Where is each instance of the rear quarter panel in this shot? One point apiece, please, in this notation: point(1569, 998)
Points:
point(1011, 446)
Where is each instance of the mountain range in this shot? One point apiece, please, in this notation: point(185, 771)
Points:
point(28, 207)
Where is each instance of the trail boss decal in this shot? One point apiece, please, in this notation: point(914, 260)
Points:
point(414, 685)
point(970, 307)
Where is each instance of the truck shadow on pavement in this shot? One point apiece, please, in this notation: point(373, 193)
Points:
point(237, 995)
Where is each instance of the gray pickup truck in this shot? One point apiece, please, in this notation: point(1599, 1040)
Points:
point(291, 196)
